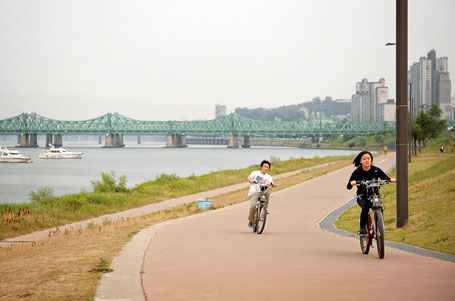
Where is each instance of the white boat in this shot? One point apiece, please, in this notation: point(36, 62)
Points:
point(52, 152)
point(12, 156)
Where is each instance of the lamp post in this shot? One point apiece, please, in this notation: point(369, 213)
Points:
point(401, 110)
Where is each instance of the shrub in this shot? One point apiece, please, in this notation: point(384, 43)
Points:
point(42, 194)
point(108, 183)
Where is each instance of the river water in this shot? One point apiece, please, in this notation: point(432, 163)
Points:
point(139, 163)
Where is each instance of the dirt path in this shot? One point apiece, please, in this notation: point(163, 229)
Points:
point(216, 256)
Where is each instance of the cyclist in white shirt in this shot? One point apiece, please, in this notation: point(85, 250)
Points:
point(260, 177)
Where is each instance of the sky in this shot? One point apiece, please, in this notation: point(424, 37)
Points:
point(176, 59)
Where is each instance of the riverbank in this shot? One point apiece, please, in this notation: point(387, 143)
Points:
point(335, 142)
point(431, 203)
point(49, 212)
point(69, 266)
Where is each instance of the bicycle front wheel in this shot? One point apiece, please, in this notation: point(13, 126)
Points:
point(380, 234)
point(364, 244)
point(262, 218)
point(255, 220)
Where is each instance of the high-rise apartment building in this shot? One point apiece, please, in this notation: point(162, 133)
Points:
point(371, 102)
point(220, 111)
point(429, 83)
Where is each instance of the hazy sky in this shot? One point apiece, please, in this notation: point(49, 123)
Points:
point(176, 59)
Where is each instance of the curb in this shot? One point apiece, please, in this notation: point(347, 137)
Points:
point(326, 223)
point(125, 281)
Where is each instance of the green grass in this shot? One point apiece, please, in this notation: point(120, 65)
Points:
point(18, 219)
point(431, 204)
point(370, 141)
point(79, 256)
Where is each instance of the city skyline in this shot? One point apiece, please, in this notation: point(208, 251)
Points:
point(172, 60)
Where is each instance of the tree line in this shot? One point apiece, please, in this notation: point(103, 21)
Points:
point(305, 110)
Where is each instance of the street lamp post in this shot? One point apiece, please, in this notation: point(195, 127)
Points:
point(402, 110)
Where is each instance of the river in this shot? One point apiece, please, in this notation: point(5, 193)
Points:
point(139, 163)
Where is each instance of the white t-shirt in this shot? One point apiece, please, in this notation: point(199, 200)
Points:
point(260, 178)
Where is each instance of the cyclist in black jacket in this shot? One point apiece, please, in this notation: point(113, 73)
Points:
point(365, 171)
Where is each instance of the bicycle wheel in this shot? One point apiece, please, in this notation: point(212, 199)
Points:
point(364, 244)
point(255, 220)
point(365, 239)
point(262, 218)
point(380, 234)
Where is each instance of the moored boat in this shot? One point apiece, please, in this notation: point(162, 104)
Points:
point(12, 156)
point(52, 152)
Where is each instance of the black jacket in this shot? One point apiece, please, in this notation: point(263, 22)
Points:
point(360, 175)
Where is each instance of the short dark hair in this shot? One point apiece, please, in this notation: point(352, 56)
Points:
point(359, 156)
point(266, 162)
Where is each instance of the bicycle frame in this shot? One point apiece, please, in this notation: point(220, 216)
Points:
point(375, 224)
point(371, 232)
point(260, 205)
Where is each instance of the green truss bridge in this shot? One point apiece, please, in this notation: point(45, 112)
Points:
point(114, 126)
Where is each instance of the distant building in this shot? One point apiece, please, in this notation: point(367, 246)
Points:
point(453, 108)
point(370, 102)
point(305, 111)
point(220, 111)
point(429, 83)
point(387, 110)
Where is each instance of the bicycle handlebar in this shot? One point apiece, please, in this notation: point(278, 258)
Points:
point(371, 183)
point(261, 184)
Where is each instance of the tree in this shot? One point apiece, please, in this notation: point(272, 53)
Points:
point(428, 125)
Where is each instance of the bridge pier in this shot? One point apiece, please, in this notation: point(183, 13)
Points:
point(176, 140)
point(170, 140)
point(58, 141)
point(25, 140)
point(181, 141)
point(19, 139)
point(48, 139)
point(114, 140)
point(33, 142)
point(246, 141)
point(233, 141)
point(139, 139)
point(100, 139)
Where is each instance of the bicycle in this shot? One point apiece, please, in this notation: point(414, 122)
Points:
point(260, 212)
point(375, 226)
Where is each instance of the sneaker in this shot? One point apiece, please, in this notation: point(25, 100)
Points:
point(250, 224)
point(362, 230)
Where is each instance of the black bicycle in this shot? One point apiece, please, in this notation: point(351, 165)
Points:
point(260, 212)
point(375, 226)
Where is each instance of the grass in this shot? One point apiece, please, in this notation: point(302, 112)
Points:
point(375, 141)
point(69, 266)
point(431, 204)
point(18, 219)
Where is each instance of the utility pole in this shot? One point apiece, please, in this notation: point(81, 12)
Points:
point(402, 110)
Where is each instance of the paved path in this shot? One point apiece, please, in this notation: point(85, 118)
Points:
point(216, 257)
point(148, 209)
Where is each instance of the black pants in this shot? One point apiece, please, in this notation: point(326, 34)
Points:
point(366, 205)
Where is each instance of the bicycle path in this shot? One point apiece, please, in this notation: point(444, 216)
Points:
point(143, 210)
point(215, 256)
